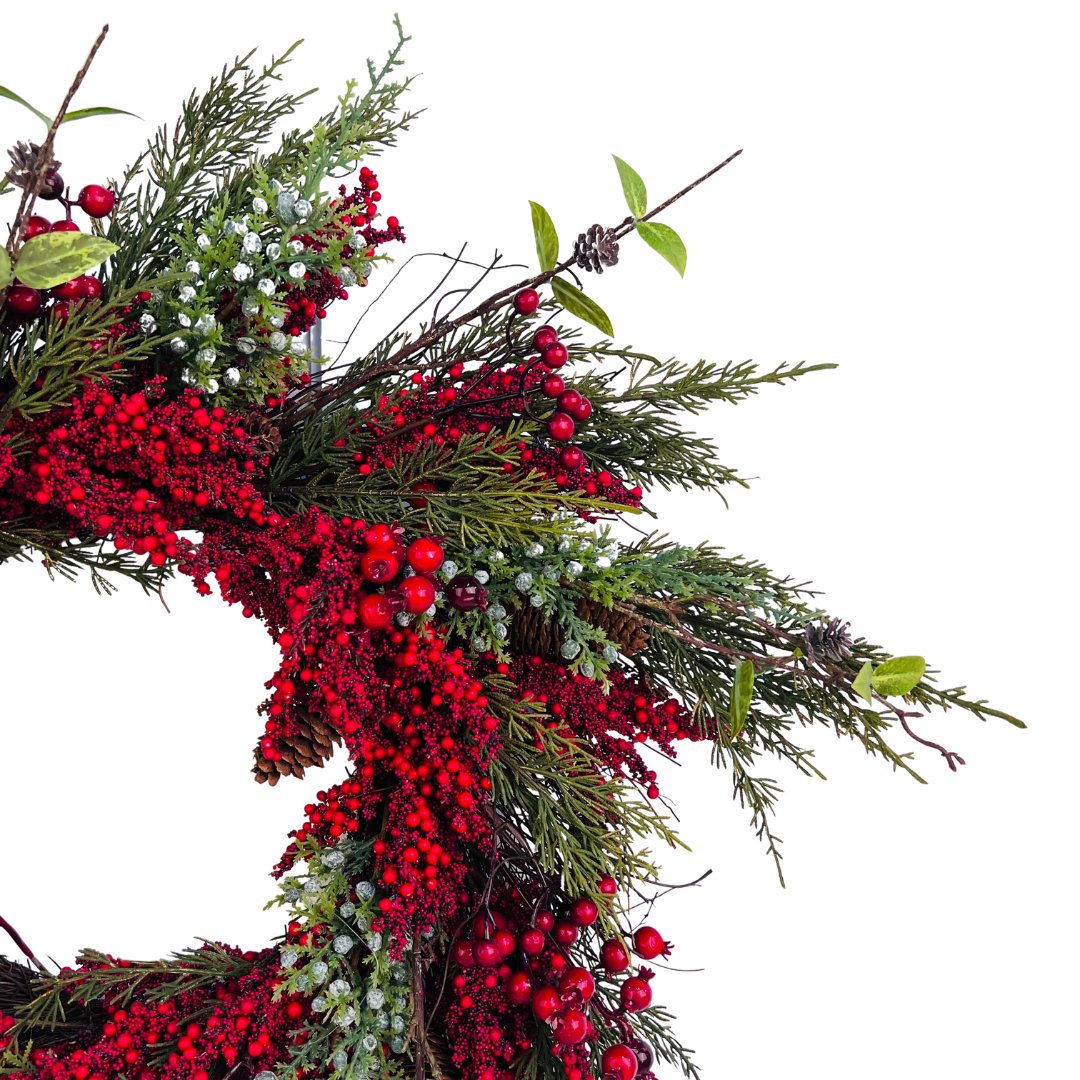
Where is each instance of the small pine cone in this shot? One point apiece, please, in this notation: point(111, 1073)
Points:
point(623, 629)
point(264, 431)
point(596, 248)
point(25, 163)
point(309, 747)
point(827, 641)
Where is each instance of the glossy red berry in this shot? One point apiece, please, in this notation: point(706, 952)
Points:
point(635, 994)
point(379, 566)
point(614, 957)
point(65, 226)
point(545, 921)
point(546, 1002)
point(75, 289)
point(419, 594)
point(526, 301)
point(560, 427)
point(643, 1052)
point(544, 336)
point(583, 411)
point(376, 612)
point(487, 953)
point(607, 884)
point(93, 288)
point(568, 401)
point(465, 593)
point(649, 943)
point(425, 554)
point(35, 226)
point(532, 941)
point(554, 355)
point(566, 933)
point(553, 386)
point(96, 201)
point(620, 1062)
point(584, 912)
point(463, 953)
point(577, 985)
point(380, 537)
point(571, 1027)
point(571, 458)
point(519, 988)
point(23, 300)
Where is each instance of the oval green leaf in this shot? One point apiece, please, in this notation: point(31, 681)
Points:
point(861, 685)
point(577, 303)
point(633, 188)
point(6, 273)
point(96, 110)
point(742, 690)
point(666, 240)
point(12, 96)
point(52, 258)
point(898, 675)
point(547, 239)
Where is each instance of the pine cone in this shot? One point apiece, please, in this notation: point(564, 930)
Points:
point(310, 746)
point(596, 248)
point(25, 162)
point(829, 641)
point(264, 431)
point(532, 633)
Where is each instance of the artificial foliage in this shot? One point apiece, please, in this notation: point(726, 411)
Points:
point(432, 534)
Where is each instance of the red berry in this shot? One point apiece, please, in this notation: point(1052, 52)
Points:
point(553, 386)
point(36, 225)
point(577, 985)
point(571, 458)
point(487, 953)
point(620, 1062)
point(466, 593)
point(93, 288)
point(376, 612)
point(519, 988)
point(526, 301)
point(52, 185)
point(75, 289)
point(380, 538)
point(571, 1027)
point(649, 943)
point(607, 884)
point(379, 566)
point(544, 336)
point(560, 427)
point(65, 226)
point(23, 300)
point(505, 941)
point(566, 933)
point(635, 994)
point(545, 921)
point(546, 1003)
point(97, 201)
point(419, 594)
point(425, 554)
point(463, 953)
point(584, 912)
point(568, 401)
point(583, 411)
point(532, 941)
point(643, 1052)
point(554, 355)
point(614, 957)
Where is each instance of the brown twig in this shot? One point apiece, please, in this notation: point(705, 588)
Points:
point(25, 949)
point(44, 156)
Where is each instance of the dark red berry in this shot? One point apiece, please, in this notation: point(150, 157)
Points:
point(620, 1062)
point(571, 457)
point(553, 386)
point(96, 201)
point(568, 401)
point(649, 943)
point(35, 226)
point(607, 884)
point(93, 287)
point(614, 957)
point(75, 289)
point(584, 912)
point(466, 593)
point(545, 920)
point(554, 355)
point(23, 300)
point(560, 427)
point(526, 301)
point(583, 411)
point(463, 953)
point(544, 336)
point(487, 953)
point(519, 988)
point(65, 226)
point(643, 1053)
point(635, 994)
point(566, 933)
point(52, 185)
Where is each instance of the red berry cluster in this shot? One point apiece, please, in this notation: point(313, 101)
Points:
point(307, 300)
point(95, 201)
point(194, 1035)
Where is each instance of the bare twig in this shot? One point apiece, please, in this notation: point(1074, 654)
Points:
point(24, 948)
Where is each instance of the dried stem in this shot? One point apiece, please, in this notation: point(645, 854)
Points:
point(24, 948)
point(30, 192)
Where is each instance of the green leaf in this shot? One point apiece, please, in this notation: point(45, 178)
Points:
point(6, 273)
point(96, 110)
point(547, 239)
point(898, 675)
point(12, 96)
point(52, 258)
point(666, 240)
point(577, 303)
point(861, 685)
point(742, 690)
point(633, 188)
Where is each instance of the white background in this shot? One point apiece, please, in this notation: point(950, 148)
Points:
point(906, 207)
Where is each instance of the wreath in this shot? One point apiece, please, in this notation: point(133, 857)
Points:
point(435, 535)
